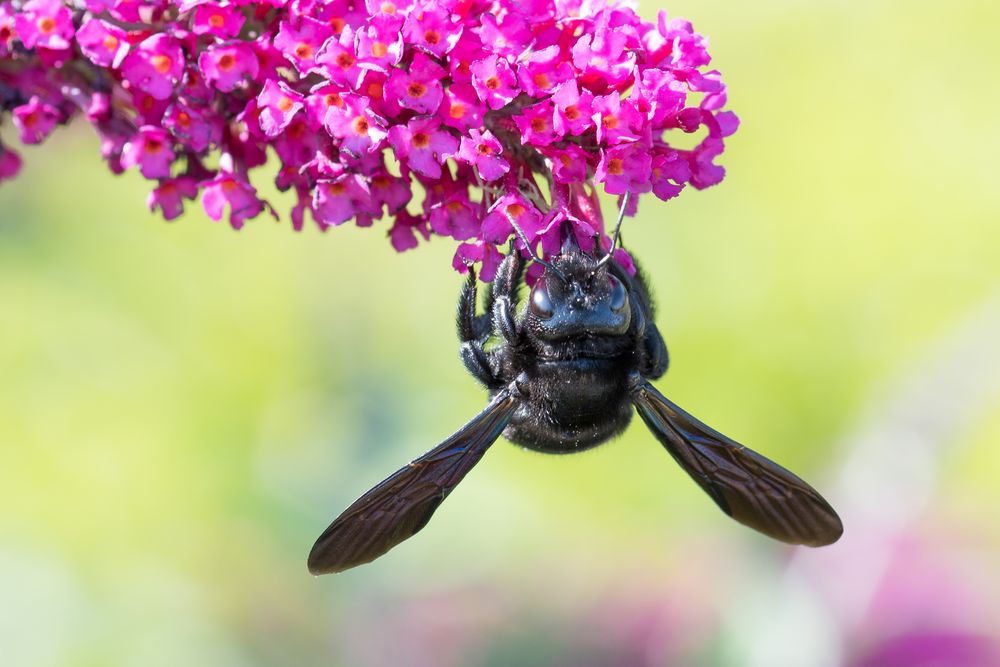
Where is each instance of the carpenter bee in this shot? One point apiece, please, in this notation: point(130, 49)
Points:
point(564, 377)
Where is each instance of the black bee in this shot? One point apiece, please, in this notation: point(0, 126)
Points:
point(564, 378)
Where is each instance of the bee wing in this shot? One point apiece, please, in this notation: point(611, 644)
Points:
point(750, 488)
point(403, 503)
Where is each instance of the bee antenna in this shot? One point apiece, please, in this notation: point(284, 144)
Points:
point(531, 251)
point(618, 228)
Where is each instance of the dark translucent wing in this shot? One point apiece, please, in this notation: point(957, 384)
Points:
point(753, 490)
point(403, 503)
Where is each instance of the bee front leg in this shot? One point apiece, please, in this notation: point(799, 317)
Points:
point(503, 296)
point(473, 331)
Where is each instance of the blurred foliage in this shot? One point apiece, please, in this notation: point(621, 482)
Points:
point(183, 408)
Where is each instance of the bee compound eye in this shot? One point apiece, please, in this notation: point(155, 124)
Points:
point(541, 303)
point(619, 298)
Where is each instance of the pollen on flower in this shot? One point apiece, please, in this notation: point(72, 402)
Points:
point(516, 210)
point(336, 189)
point(416, 89)
point(216, 20)
point(303, 51)
point(432, 37)
point(375, 90)
point(360, 126)
point(333, 100)
point(46, 24)
point(379, 49)
point(161, 63)
point(285, 103)
point(421, 140)
point(616, 166)
point(184, 119)
point(610, 122)
point(572, 112)
point(541, 79)
point(456, 110)
point(492, 83)
point(345, 61)
point(110, 43)
point(485, 149)
point(539, 124)
point(337, 23)
point(227, 62)
point(387, 8)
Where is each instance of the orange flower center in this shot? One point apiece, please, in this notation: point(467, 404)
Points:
point(336, 189)
point(611, 122)
point(492, 83)
point(572, 112)
point(337, 23)
point(379, 49)
point(416, 89)
point(381, 182)
point(565, 159)
point(345, 61)
point(46, 24)
point(541, 80)
point(616, 166)
point(162, 64)
point(421, 140)
point(539, 124)
point(30, 120)
point(457, 110)
point(387, 8)
point(303, 51)
point(184, 119)
point(168, 189)
point(110, 43)
point(360, 126)
point(228, 185)
point(516, 210)
point(227, 62)
point(216, 20)
point(484, 149)
point(333, 100)
point(285, 104)
point(375, 90)
point(432, 37)
point(454, 206)
point(153, 146)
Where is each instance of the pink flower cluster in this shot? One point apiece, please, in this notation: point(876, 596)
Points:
point(451, 117)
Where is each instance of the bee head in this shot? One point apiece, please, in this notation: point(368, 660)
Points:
point(577, 295)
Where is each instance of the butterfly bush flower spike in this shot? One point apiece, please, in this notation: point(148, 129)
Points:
point(478, 120)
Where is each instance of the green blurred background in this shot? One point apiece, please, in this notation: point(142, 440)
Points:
point(183, 408)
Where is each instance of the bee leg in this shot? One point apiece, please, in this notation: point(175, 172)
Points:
point(647, 337)
point(472, 326)
point(473, 331)
point(503, 296)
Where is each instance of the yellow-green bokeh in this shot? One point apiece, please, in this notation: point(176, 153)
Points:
point(183, 408)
